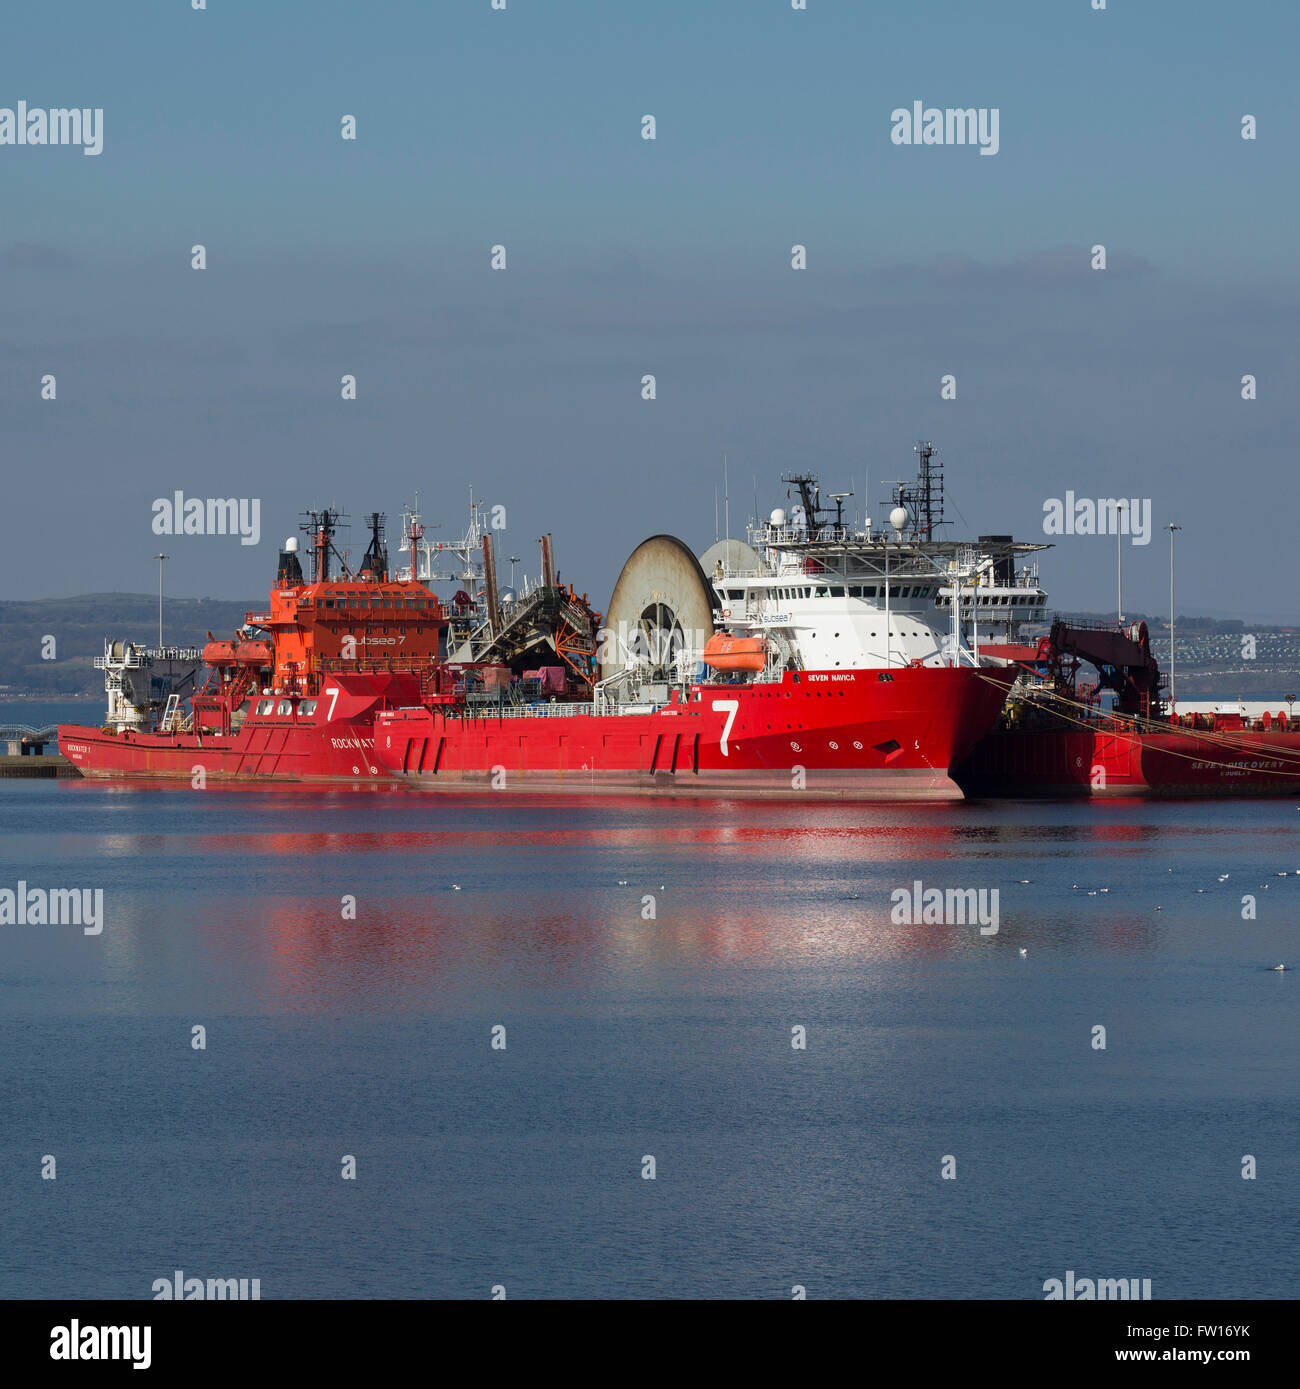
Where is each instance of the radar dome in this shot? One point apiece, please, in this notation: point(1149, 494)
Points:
point(291, 545)
point(898, 517)
point(777, 518)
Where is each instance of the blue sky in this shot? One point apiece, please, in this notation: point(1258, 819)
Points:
point(670, 257)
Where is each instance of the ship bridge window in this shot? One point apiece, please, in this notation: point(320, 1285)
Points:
point(307, 708)
point(329, 602)
point(285, 707)
point(264, 706)
point(838, 591)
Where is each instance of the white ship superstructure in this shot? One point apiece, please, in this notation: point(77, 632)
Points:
point(828, 596)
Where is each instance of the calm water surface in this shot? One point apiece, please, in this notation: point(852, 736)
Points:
point(629, 1037)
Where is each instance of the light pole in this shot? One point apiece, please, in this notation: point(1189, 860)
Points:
point(1119, 554)
point(160, 559)
point(1171, 528)
point(514, 559)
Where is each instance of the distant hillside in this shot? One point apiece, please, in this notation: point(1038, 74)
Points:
point(79, 626)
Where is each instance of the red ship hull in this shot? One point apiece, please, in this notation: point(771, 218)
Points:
point(1115, 761)
point(816, 734)
point(334, 744)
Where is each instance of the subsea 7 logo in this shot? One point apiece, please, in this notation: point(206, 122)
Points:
point(333, 693)
point(731, 706)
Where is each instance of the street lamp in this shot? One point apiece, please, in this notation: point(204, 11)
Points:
point(1119, 552)
point(1171, 528)
point(514, 559)
point(160, 559)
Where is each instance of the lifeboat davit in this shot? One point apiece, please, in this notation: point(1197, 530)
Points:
point(723, 651)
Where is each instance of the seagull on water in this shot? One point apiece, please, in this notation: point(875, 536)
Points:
point(1276, 968)
point(1023, 952)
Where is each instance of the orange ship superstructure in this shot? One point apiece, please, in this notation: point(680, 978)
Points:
point(292, 695)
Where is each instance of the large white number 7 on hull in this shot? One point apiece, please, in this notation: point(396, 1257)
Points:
point(731, 706)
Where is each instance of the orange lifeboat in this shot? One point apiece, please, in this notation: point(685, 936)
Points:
point(254, 653)
point(723, 651)
point(223, 654)
point(219, 653)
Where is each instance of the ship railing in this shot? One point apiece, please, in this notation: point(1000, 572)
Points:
point(550, 711)
point(799, 572)
point(801, 535)
point(134, 657)
point(377, 665)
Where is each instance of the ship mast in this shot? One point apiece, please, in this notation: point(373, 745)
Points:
point(319, 529)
